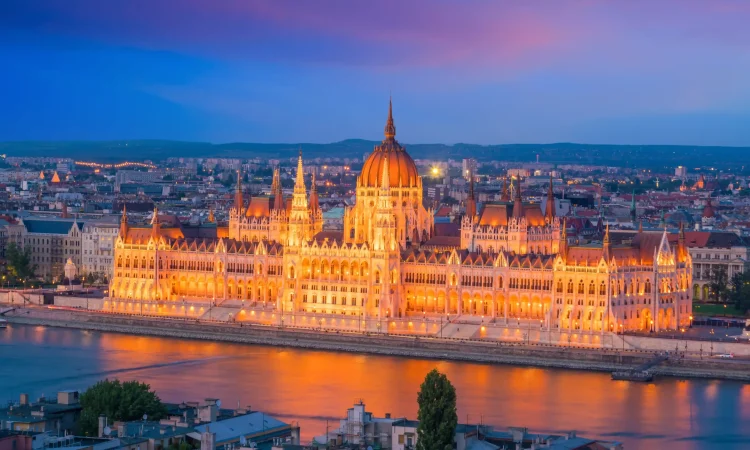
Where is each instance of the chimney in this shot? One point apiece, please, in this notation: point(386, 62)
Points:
point(387, 415)
point(102, 424)
point(24, 399)
point(208, 440)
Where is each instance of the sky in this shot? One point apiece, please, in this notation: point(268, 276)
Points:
point(468, 71)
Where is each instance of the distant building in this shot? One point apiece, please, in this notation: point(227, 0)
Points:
point(51, 242)
point(711, 251)
point(135, 176)
point(468, 167)
point(680, 172)
point(361, 429)
point(58, 415)
point(97, 245)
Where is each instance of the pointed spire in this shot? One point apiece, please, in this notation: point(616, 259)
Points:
point(518, 202)
point(238, 201)
point(276, 191)
point(211, 218)
point(606, 245)
point(314, 202)
point(550, 209)
point(299, 184)
point(563, 244)
point(155, 226)
point(124, 222)
point(471, 202)
point(505, 195)
point(681, 246)
point(390, 128)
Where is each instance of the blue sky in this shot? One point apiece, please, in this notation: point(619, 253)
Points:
point(476, 71)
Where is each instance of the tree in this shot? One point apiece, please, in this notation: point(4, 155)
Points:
point(19, 262)
point(437, 413)
point(718, 283)
point(740, 293)
point(119, 402)
point(448, 200)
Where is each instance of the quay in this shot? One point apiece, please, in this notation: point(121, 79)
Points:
point(411, 346)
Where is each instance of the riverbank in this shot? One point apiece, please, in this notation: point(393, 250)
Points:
point(545, 356)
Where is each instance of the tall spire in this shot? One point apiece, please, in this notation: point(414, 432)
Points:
point(550, 210)
point(471, 202)
point(606, 245)
point(211, 218)
point(505, 195)
point(124, 222)
point(155, 226)
point(278, 194)
point(517, 201)
point(299, 197)
point(299, 184)
point(681, 246)
point(390, 128)
point(238, 202)
point(563, 244)
point(314, 203)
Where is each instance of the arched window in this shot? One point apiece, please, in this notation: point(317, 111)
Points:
point(499, 282)
point(377, 277)
point(602, 289)
point(570, 286)
point(592, 289)
point(559, 286)
point(580, 287)
point(647, 287)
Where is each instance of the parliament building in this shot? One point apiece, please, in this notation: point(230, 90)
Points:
point(512, 262)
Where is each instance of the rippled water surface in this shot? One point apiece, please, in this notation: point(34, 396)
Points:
point(312, 387)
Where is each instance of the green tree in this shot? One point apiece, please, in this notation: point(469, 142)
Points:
point(718, 285)
point(740, 293)
point(19, 262)
point(119, 402)
point(448, 200)
point(437, 413)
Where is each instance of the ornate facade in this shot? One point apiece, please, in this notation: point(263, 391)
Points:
point(512, 263)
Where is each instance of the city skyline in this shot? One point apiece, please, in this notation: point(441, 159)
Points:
point(624, 73)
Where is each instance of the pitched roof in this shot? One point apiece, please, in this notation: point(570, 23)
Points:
point(50, 226)
point(716, 239)
point(498, 214)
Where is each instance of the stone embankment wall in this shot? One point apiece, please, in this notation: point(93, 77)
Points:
point(537, 355)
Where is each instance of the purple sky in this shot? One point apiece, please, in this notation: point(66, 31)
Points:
point(481, 71)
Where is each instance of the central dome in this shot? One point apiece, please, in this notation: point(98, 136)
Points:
point(401, 168)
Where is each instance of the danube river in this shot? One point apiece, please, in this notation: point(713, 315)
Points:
point(311, 387)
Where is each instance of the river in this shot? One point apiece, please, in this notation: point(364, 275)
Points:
point(313, 386)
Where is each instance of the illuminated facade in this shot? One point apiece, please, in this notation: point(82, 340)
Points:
point(513, 262)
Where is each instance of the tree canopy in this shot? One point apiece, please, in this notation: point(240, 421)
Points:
point(437, 413)
point(19, 262)
point(740, 293)
point(119, 402)
point(718, 283)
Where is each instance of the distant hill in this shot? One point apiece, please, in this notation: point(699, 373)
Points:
point(616, 155)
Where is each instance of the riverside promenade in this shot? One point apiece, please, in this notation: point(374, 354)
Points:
point(480, 349)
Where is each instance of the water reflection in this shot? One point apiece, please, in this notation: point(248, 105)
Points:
point(312, 386)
